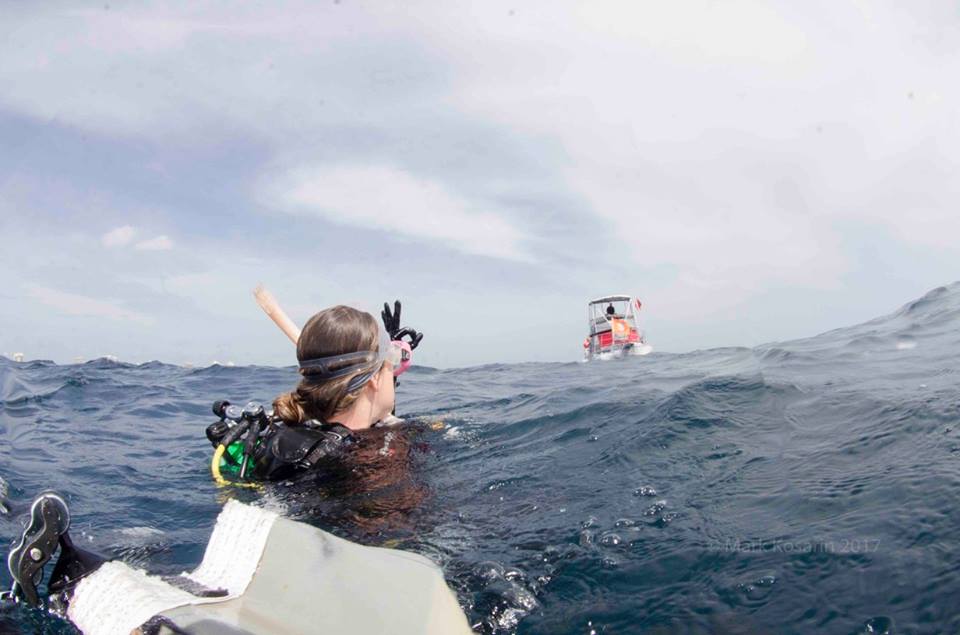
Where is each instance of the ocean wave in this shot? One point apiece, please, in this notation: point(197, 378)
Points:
point(791, 487)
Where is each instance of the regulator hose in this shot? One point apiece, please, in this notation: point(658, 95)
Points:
point(228, 440)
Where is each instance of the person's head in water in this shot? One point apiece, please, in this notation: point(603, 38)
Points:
point(345, 377)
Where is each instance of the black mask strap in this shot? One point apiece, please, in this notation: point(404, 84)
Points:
point(322, 367)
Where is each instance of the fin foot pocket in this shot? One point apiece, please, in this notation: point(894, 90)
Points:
point(49, 520)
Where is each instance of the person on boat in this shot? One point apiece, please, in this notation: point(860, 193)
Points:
point(612, 312)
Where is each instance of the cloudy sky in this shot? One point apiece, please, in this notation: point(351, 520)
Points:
point(754, 171)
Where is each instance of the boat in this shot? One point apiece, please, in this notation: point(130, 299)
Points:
point(613, 328)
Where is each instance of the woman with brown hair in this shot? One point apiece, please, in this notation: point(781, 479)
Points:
point(348, 364)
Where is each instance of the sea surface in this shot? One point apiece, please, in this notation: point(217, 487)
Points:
point(810, 486)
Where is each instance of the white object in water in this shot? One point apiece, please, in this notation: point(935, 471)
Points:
point(18, 357)
point(280, 576)
point(636, 351)
point(642, 349)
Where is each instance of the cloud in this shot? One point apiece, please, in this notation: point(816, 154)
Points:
point(731, 142)
point(391, 200)
point(684, 91)
point(702, 154)
point(123, 236)
point(160, 243)
point(118, 237)
point(114, 68)
point(80, 305)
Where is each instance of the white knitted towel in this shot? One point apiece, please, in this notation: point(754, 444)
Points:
point(118, 598)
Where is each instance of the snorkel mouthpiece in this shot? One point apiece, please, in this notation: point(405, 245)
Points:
point(406, 357)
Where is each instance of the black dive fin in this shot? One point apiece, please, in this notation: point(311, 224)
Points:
point(49, 520)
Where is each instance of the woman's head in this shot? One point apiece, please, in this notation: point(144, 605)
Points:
point(341, 363)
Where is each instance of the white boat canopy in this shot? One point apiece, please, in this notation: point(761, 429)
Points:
point(610, 298)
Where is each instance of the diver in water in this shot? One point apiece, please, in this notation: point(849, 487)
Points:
point(349, 365)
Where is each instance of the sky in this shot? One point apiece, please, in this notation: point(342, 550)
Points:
point(752, 171)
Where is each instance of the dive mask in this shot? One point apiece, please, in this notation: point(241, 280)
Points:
point(397, 352)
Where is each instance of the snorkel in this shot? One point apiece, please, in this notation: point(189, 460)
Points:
point(276, 313)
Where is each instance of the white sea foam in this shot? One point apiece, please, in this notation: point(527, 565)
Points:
point(140, 532)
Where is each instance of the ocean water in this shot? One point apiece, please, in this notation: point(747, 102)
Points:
point(810, 486)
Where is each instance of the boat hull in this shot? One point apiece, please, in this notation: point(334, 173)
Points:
point(619, 352)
